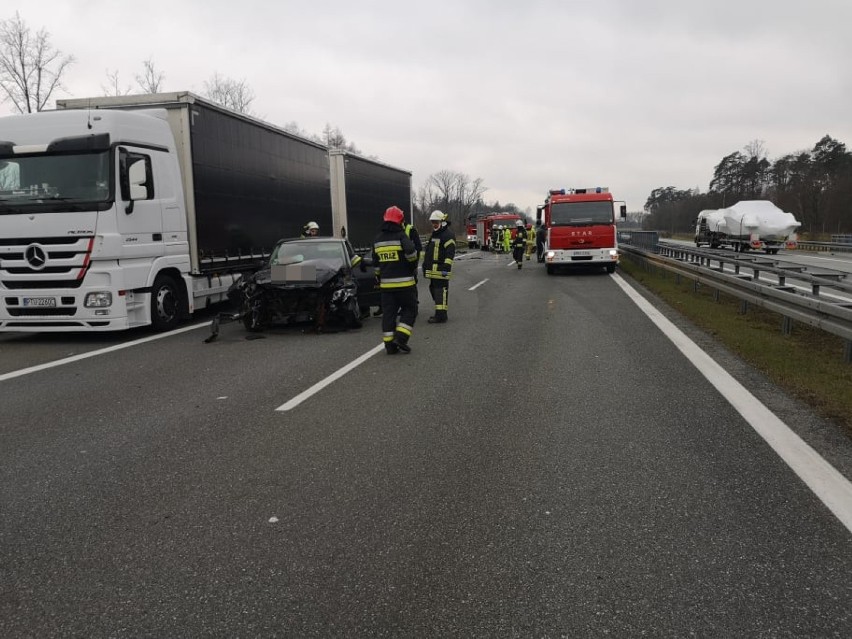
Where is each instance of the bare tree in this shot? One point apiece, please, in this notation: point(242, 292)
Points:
point(113, 86)
point(333, 138)
point(453, 193)
point(30, 68)
point(233, 94)
point(150, 80)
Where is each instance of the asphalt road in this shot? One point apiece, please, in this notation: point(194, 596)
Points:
point(546, 464)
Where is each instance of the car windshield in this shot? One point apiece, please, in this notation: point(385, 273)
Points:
point(294, 252)
point(579, 213)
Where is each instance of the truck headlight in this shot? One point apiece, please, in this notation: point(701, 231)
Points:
point(613, 253)
point(550, 255)
point(100, 299)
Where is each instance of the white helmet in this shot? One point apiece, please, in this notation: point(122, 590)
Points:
point(311, 226)
point(437, 216)
point(519, 223)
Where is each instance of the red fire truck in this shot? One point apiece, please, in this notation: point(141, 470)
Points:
point(580, 226)
point(472, 239)
point(485, 225)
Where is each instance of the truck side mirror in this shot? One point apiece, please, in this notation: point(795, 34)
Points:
point(623, 211)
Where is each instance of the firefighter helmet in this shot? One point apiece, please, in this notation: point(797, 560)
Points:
point(312, 226)
point(394, 214)
point(437, 216)
point(519, 223)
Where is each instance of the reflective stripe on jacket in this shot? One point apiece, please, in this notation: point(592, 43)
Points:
point(394, 258)
point(439, 254)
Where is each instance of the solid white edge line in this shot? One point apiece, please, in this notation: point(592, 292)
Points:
point(100, 351)
point(313, 390)
point(829, 485)
point(476, 286)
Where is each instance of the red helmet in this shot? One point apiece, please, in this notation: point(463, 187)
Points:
point(394, 214)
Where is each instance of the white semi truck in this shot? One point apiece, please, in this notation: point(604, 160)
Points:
point(128, 211)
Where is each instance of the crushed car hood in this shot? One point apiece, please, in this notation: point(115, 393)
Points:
point(305, 274)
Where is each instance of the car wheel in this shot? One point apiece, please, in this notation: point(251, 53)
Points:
point(252, 316)
point(352, 314)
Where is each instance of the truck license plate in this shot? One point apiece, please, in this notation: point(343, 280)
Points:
point(578, 253)
point(40, 301)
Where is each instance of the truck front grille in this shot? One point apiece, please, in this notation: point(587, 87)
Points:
point(38, 263)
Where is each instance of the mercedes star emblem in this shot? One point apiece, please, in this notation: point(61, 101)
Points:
point(35, 256)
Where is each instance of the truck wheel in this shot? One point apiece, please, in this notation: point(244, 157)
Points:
point(165, 303)
point(610, 268)
point(550, 269)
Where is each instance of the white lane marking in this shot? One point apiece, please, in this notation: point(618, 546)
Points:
point(298, 399)
point(827, 259)
point(476, 286)
point(100, 351)
point(832, 488)
point(512, 263)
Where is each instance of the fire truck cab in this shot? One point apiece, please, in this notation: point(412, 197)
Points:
point(580, 226)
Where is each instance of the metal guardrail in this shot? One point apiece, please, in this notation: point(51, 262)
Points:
point(833, 247)
point(834, 318)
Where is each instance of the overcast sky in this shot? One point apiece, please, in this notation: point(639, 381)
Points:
point(526, 94)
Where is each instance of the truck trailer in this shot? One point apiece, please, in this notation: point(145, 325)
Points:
point(126, 211)
point(361, 190)
point(580, 226)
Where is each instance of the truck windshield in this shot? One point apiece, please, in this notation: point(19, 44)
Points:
point(581, 213)
point(36, 180)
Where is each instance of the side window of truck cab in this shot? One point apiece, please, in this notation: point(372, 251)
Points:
point(136, 176)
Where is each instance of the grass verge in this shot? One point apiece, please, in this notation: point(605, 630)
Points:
point(808, 363)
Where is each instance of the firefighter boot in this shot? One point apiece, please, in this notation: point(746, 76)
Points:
point(400, 345)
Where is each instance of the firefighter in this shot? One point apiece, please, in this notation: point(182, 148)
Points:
point(540, 238)
point(507, 238)
point(395, 260)
point(311, 229)
point(414, 236)
point(438, 264)
point(496, 238)
point(519, 244)
point(530, 242)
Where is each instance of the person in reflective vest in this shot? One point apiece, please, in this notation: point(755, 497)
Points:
point(438, 264)
point(395, 261)
point(519, 243)
point(507, 239)
point(414, 236)
point(530, 242)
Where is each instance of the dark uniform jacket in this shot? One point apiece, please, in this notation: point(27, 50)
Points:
point(439, 254)
point(394, 257)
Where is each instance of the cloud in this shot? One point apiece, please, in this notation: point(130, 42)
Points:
point(527, 96)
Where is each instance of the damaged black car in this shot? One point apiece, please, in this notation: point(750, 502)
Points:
point(318, 280)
